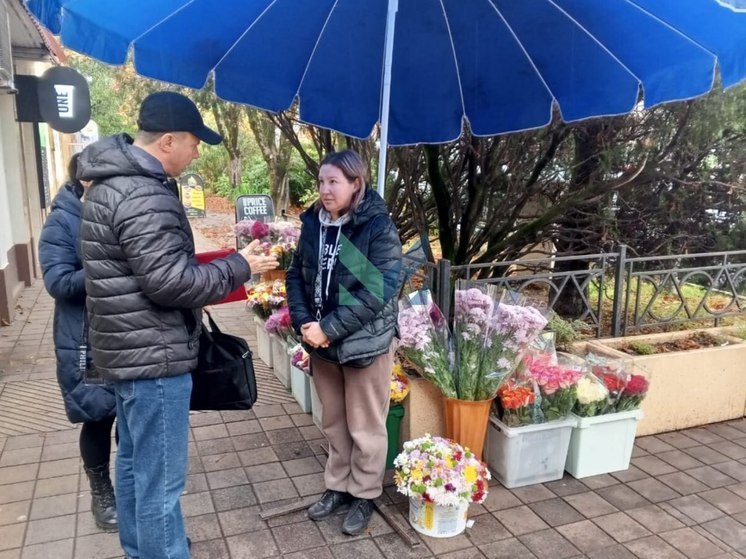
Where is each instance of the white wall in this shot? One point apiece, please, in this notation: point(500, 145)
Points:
point(7, 120)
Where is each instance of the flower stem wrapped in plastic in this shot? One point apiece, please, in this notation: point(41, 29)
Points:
point(614, 373)
point(633, 394)
point(425, 340)
point(300, 359)
point(516, 401)
point(557, 384)
point(399, 384)
point(592, 397)
point(490, 335)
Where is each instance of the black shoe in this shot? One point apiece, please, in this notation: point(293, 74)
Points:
point(189, 545)
point(103, 502)
point(358, 517)
point(330, 501)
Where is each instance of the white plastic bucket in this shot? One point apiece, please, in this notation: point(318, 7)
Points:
point(437, 521)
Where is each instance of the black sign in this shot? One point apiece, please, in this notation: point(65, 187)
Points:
point(60, 98)
point(255, 206)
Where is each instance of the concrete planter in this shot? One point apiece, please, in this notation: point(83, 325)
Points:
point(263, 345)
point(687, 388)
point(280, 359)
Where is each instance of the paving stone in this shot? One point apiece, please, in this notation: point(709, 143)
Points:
point(57, 468)
point(235, 416)
point(359, 549)
point(210, 432)
point(239, 521)
point(255, 545)
point(652, 444)
point(213, 549)
point(393, 546)
point(677, 439)
point(568, 485)
point(265, 472)
point(706, 455)
point(725, 500)
point(196, 504)
point(251, 441)
point(11, 536)
point(273, 423)
point(724, 430)
point(195, 465)
point(691, 544)
point(202, 419)
point(17, 474)
point(297, 537)
point(60, 451)
point(98, 546)
point(615, 552)
point(244, 427)
point(302, 419)
point(227, 478)
point(703, 436)
point(696, 508)
point(269, 411)
point(293, 451)
point(22, 491)
point(683, 483)
point(233, 497)
point(215, 446)
point(556, 512)
point(282, 436)
point(20, 456)
point(302, 466)
point(729, 531)
point(50, 529)
point(57, 505)
point(24, 441)
point(533, 493)
point(590, 504)
point(622, 497)
point(500, 498)
point(548, 544)
point(217, 462)
point(471, 553)
point(730, 449)
point(56, 486)
point(653, 465)
point(441, 546)
point(732, 468)
point(621, 527)
point(586, 536)
point(311, 433)
point(487, 529)
point(653, 548)
point(58, 550)
point(316, 553)
point(520, 520)
point(311, 484)
point(507, 549)
point(196, 483)
point(711, 477)
point(680, 460)
point(655, 518)
point(597, 482)
point(257, 456)
point(653, 490)
point(630, 474)
point(268, 491)
point(677, 514)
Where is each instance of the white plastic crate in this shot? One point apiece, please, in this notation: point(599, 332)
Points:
point(263, 345)
point(300, 385)
point(527, 455)
point(602, 444)
point(280, 359)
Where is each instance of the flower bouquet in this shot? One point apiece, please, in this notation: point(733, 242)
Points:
point(516, 402)
point(633, 393)
point(279, 323)
point(300, 359)
point(557, 384)
point(399, 384)
point(279, 238)
point(593, 397)
point(265, 297)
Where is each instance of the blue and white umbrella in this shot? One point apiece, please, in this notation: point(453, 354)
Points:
point(420, 68)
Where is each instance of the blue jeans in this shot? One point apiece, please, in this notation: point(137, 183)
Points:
point(153, 424)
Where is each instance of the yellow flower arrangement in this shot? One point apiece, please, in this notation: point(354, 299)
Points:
point(399, 384)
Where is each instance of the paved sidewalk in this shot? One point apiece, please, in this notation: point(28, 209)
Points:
point(683, 497)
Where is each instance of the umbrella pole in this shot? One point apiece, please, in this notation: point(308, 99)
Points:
point(386, 99)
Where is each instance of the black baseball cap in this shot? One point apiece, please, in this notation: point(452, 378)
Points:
point(168, 111)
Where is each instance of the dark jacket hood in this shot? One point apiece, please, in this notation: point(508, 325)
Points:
point(68, 198)
point(115, 156)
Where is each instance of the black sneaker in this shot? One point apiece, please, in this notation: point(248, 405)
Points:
point(330, 501)
point(358, 517)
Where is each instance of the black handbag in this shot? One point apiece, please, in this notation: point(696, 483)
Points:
point(224, 379)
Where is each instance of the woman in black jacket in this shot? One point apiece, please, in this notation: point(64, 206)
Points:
point(342, 288)
point(92, 405)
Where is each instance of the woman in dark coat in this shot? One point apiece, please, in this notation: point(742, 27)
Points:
point(93, 405)
point(342, 292)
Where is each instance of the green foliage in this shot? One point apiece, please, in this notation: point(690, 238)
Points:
point(566, 332)
point(642, 348)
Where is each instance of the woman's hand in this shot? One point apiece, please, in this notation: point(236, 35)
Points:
point(313, 335)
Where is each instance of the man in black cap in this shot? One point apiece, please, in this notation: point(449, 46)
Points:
point(145, 295)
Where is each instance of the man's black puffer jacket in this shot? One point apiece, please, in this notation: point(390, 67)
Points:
point(364, 287)
point(145, 289)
